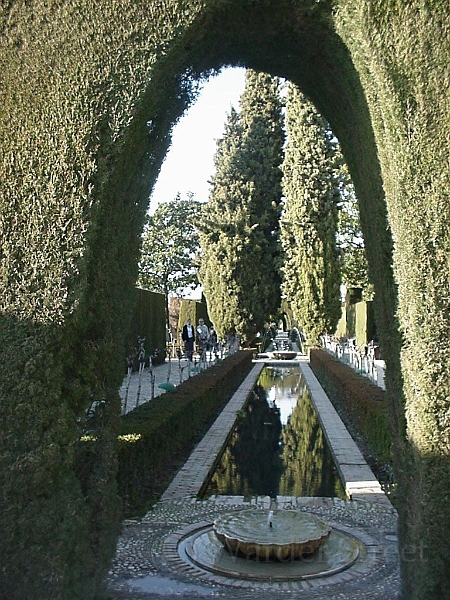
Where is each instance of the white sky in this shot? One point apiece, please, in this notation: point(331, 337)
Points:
point(189, 162)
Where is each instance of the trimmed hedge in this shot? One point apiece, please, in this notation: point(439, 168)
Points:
point(148, 321)
point(361, 403)
point(157, 437)
point(194, 310)
point(89, 98)
point(365, 327)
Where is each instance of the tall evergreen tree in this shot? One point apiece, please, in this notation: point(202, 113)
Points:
point(239, 233)
point(309, 224)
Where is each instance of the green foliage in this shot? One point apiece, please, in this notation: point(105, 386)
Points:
point(72, 204)
point(157, 437)
point(88, 99)
point(304, 449)
point(193, 310)
point(148, 322)
point(350, 241)
point(358, 318)
point(365, 329)
point(169, 248)
point(239, 227)
point(293, 458)
point(341, 327)
point(361, 403)
point(400, 50)
point(309, 223)
point(257, 433)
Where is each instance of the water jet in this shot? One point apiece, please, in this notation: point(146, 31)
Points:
point(281, 535)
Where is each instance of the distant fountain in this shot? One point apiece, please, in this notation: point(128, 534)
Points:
point(284, 354)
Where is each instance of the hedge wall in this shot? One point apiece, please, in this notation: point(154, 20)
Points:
point(148, 321)
point(88, 99)
point(359, 401)
point(157, 437)
point(194, 310)
point(357, 320)
point(365, 329)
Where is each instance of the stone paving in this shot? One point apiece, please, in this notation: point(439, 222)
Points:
point(139, 388)
point(149, 563)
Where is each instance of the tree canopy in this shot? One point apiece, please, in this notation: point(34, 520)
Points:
point(88, 100)
point(350, 240)
point(309, 222)
point(170, 246)
point(239, 232)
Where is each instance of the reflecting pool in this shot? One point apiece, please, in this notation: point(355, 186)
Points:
point(277, 447)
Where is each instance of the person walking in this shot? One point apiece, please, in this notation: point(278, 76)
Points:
point(212, 343)
point(188, 337)
point(232, 341)
point(202, 336)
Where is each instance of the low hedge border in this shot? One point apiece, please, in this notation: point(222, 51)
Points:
point(362, 406)
point(157, 438)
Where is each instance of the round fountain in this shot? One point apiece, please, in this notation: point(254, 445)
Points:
point(270, 545)
point(282, 535)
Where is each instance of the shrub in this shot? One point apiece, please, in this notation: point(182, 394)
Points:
point(158, 436)
point(361, 404)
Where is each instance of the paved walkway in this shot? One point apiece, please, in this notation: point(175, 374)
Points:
point(150, 565)
point(142, 387)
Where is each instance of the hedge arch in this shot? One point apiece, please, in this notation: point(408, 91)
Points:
point(88, 100)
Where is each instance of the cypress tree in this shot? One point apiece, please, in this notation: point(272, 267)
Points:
point(240, 226)
point(309, 224)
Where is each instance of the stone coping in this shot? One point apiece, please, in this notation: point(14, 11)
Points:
point(357, 477)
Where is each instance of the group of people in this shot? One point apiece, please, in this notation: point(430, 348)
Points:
point(206, 338)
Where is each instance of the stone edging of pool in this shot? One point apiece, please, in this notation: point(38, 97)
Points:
point(357, 478)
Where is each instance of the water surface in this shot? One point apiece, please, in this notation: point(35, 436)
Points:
point(277, 446)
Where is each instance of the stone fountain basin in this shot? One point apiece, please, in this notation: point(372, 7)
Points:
point(293, 534)
point(284, 354)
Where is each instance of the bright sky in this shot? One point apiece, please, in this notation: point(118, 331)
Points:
point(189, 163)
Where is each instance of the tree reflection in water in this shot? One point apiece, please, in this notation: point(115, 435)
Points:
point(277, 446)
